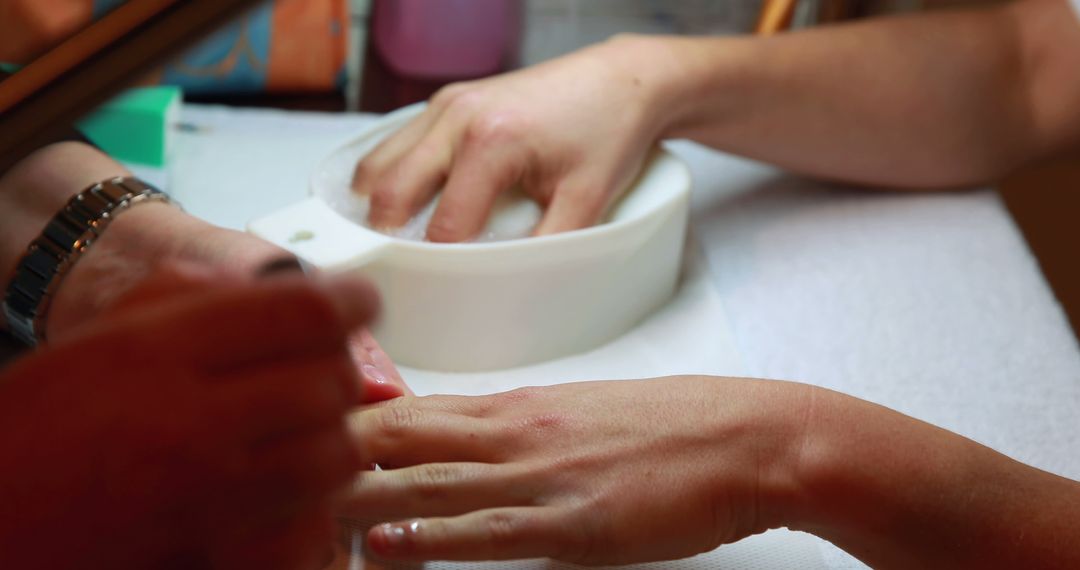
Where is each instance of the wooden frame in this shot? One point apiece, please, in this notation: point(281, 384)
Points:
point(40, 102)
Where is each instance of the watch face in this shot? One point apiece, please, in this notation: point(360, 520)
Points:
point(40, 101)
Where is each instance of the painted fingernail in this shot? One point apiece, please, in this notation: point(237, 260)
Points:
point(374, 374)
point(282, 265)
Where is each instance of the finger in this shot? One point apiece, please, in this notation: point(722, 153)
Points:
point(375, 386)
point(372, 387)
point(232, 327)
point(438, 489)
point(495, 534)
point(384, 382)
point(286, 397)
point(574, 205)
point(473, 406)
point(406, 435)
point(410, 168)
point(487, 167)
point(398, 144)
point(390, 150)
point(405, 187)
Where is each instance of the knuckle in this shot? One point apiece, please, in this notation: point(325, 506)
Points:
point(383, 195)
point(586, 197)
point(431, 482)
point(466, 101)
point(427, 151)
point(582, 543)
point(493, 129)
point(398, 420)
point(448, 94)
point(547, 421)
point(519, 396)
point(504, 527)
point(446, 228)
point(388, 207)
point(535, 428)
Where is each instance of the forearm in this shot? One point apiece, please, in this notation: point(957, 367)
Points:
point(899, 493)
point(37, 187)
point(933, 100)
point(33, 190)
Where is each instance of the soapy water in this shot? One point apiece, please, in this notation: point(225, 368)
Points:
point(513, 216)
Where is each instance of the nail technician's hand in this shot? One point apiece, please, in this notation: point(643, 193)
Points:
point(379, 378)
point(594, 473)
point(572, 132)
point(205, 427)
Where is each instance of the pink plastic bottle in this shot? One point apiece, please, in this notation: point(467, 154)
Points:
point(447, 39)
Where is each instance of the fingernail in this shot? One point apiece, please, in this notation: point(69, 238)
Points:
point(283, 265)
point(393, 538)
point(374, 374)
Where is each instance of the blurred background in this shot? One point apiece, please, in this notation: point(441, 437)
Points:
point(402, 51)
point(376, 55)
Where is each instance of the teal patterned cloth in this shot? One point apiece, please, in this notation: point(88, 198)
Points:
point(236, 59)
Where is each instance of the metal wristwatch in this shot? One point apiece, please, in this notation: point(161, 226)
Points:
point(65, 238)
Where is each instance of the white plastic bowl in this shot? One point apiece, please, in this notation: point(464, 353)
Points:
point(496, 305)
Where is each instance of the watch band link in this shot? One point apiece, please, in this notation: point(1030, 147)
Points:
point(70, 232)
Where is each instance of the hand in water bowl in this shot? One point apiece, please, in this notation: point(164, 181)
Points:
point(504, 300)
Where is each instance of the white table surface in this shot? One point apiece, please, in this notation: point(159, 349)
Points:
point(929, 304)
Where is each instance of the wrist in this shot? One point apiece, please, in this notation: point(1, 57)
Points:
point(772, 426)
point(889, 489)
point(37, 187)
point(138, 243)
point(688, 82)
point(660, 74)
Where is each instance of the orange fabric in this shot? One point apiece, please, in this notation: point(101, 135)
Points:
point(289, 45)
point(307, 51)
point(30, 28)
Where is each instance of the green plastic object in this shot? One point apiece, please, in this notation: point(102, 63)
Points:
point(135, 127)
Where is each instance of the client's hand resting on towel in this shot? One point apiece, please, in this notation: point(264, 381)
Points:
point(631, 471)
